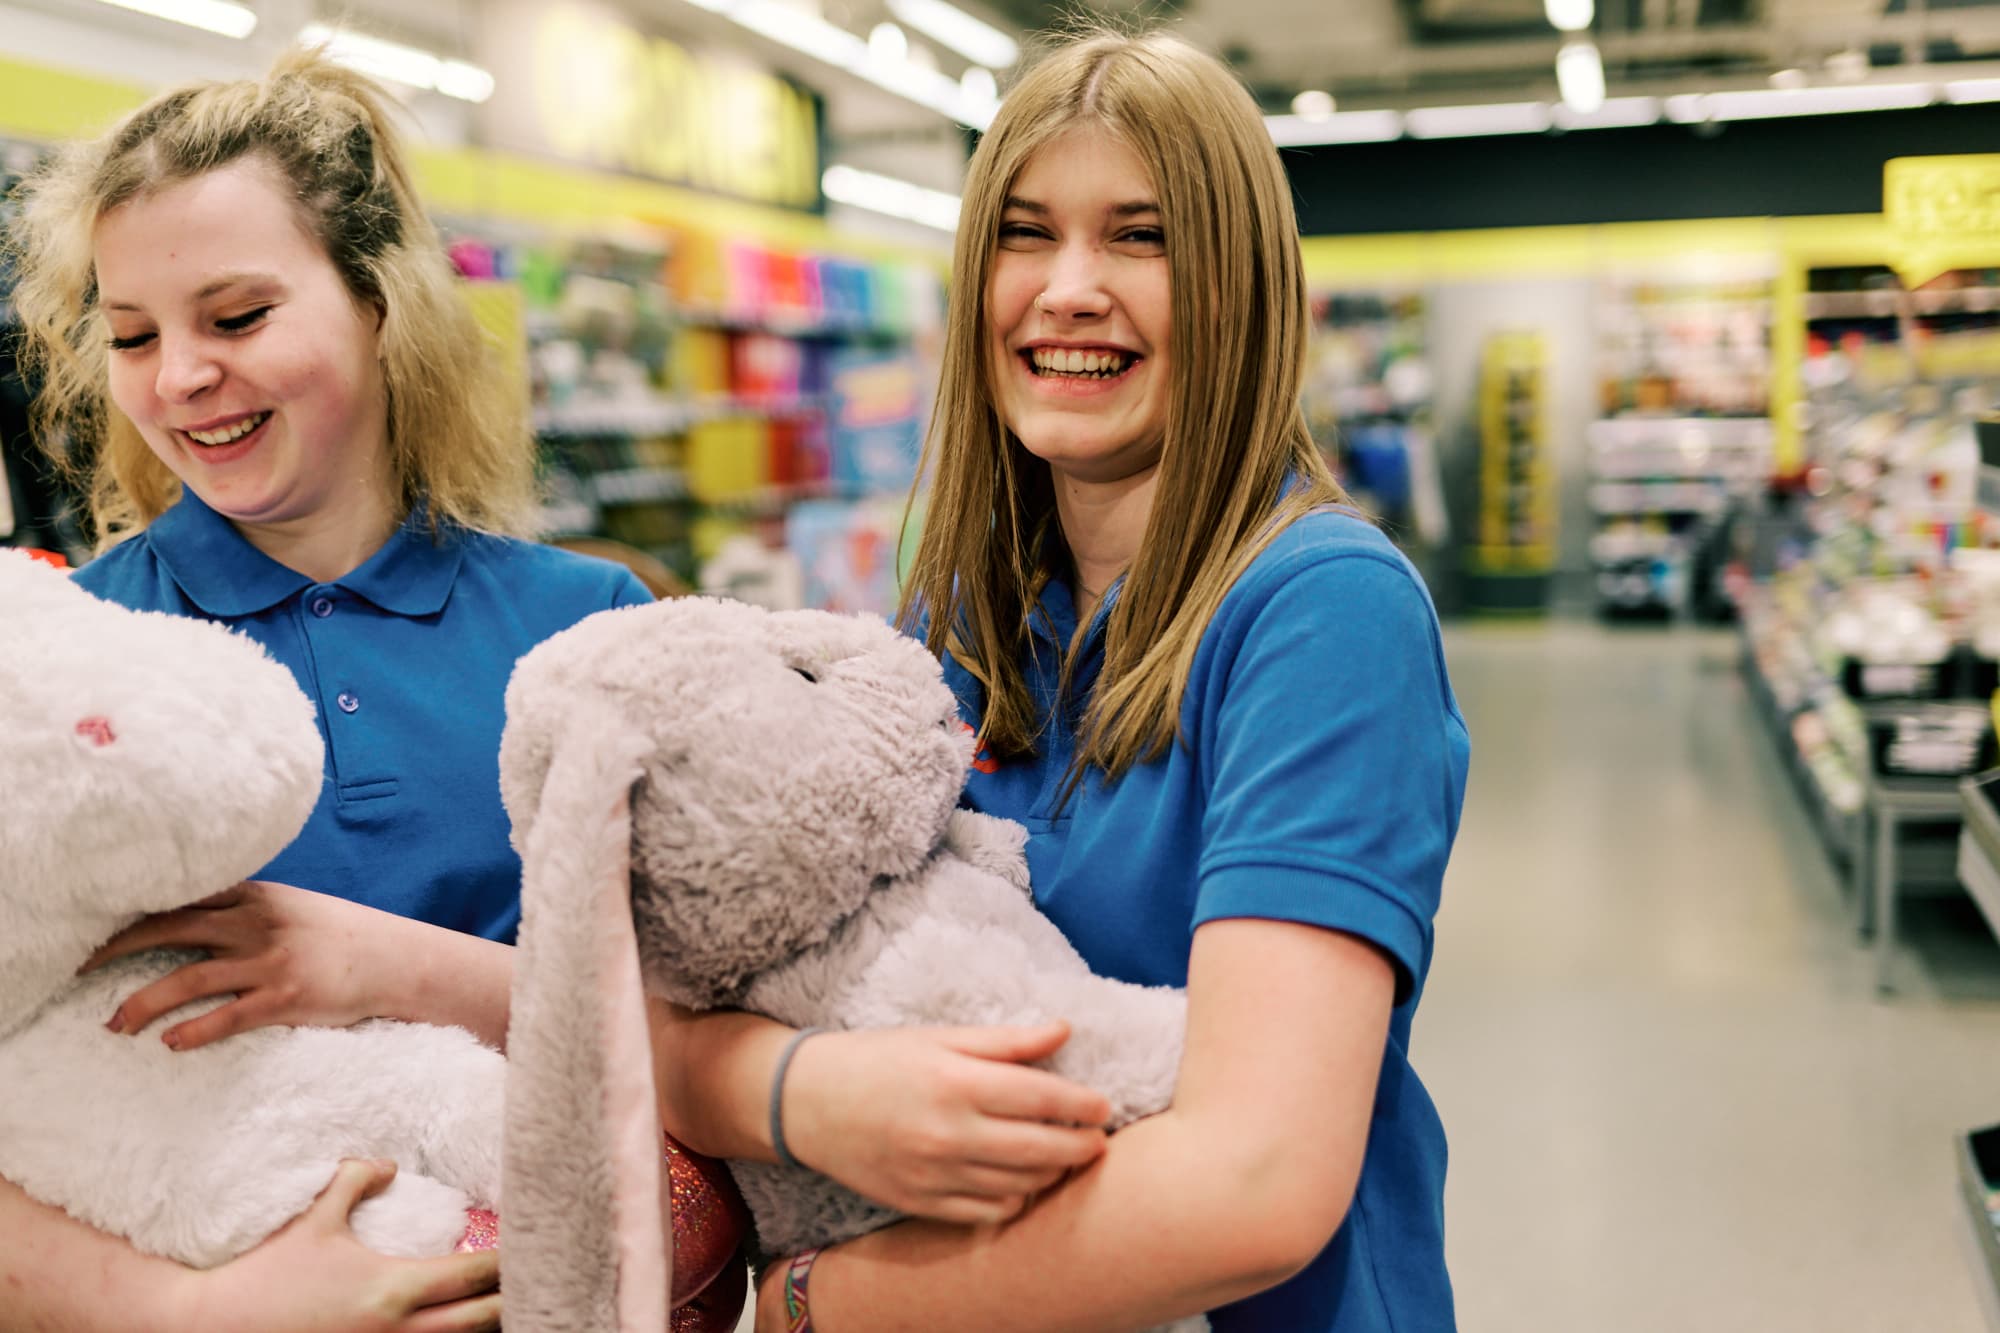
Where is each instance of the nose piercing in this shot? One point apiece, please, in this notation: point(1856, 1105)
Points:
point(1038, 303)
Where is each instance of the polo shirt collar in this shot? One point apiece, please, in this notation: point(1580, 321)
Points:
point(224, 575)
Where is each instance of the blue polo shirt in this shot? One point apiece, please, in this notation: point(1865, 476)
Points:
point(407, 659)
point(1320, 781)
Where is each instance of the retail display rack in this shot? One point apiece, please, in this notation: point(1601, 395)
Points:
point(1873, 653)
point(749, 417)
point(1684, 366)
point(1369, 398)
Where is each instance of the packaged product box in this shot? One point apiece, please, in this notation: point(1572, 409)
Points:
point(877, 419)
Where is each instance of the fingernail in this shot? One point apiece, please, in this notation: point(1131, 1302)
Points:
point(117, 1023)
point(173, 1040)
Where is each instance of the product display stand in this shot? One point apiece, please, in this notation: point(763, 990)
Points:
point(1978, 1157)
point(1893, 804)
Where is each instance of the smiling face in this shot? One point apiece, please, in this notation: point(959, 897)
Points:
point(240, 355)
point(1078, 311)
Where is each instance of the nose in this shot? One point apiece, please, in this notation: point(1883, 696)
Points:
point(1075, 288)
point(187, 370)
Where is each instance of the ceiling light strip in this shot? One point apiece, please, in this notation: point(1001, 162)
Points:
point(383, 59)
point(951, 26)
point(810, 35)
point(217, 16)
point(890, 196)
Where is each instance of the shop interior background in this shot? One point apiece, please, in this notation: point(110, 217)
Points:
point(1663, 335)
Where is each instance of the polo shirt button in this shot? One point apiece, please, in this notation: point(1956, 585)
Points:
point(322, 607)
point(348, 701)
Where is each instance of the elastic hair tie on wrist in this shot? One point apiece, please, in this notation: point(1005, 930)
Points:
point(778, 1100)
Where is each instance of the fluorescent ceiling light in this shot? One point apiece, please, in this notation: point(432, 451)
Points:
point(1617, 113)
point(1767, 104)
point(1580, 75)
point(1313, 104)
point(887, 195)
point(978, 86)
point(1340, 127)
point(951, 26)
point(220, 16)
point(1961, 91)
point(1464, 122)
point(830, 44)
point(1570, 15)
point(888, 43)
point(401, 64)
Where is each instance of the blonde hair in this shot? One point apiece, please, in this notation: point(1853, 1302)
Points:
point(1234, 430)
point(459, 443)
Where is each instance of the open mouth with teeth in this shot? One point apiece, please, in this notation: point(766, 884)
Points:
point(1103, 363)
point(229, 434)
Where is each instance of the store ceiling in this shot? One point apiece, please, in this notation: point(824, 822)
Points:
point(1404, 53)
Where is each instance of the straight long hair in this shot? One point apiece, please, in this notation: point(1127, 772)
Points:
point(1234, 433)
point(459, 442)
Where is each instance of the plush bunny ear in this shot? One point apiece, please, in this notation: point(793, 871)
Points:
point(585, 1227)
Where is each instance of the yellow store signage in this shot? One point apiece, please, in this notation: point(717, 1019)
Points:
point(1942, 212)
point(577, 82)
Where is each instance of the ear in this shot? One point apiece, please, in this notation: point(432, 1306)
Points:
point(584, 1241)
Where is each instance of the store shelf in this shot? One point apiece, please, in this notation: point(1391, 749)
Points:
point(1890, 302)
point(663, 416)
point(1978, 1159)
point(1979, 846)
point(1657, 497)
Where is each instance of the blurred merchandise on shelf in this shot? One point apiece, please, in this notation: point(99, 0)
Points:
point(1684, 373)
point(693, 391)
point(1368, 399)
point(1693, 347)
point(1517, 487)
point(848, 552)
point(1662, 491)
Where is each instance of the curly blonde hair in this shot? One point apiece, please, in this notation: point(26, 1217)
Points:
point(459, 442)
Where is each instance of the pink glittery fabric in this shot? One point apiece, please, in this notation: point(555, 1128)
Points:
point(711, 1279)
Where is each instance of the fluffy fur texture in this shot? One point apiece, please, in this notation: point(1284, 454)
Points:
point(150, 761)
point(795, 850)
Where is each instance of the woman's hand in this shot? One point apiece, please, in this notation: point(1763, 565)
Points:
point(290, 956)
point(313, 1276)
point(944, 1123)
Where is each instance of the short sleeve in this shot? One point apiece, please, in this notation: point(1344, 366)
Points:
point(628, 591)
point(1334, 757)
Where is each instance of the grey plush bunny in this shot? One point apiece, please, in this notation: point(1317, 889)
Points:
point(786, 786)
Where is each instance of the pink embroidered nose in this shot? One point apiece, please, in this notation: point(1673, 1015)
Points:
point(96, 730)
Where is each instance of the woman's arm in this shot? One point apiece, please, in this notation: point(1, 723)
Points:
point(292, 956)
point(1232, 1190)
point(945, 1123)
point(59, 1276)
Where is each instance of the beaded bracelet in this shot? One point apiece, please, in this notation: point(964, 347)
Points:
point(797, 1318)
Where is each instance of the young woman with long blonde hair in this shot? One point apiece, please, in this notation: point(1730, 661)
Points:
point(1216, 696)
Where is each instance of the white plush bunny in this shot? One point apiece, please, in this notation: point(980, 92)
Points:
point(727, 806)
point(148, 761)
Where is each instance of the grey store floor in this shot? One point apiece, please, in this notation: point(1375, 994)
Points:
point(1675, 1103)
point(1674, 1100)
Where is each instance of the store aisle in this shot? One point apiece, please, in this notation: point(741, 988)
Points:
point(1674, 1102)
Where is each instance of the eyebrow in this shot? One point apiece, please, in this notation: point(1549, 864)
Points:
point(215, 288)
point(1015, 202)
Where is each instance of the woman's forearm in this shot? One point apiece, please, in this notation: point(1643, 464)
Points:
point(713, 1074)
point(454, 980)
point(59, 1276)
point(1171, 1221)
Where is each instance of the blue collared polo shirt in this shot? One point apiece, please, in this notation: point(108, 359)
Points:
point(407, 659)
point(1319, 780)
